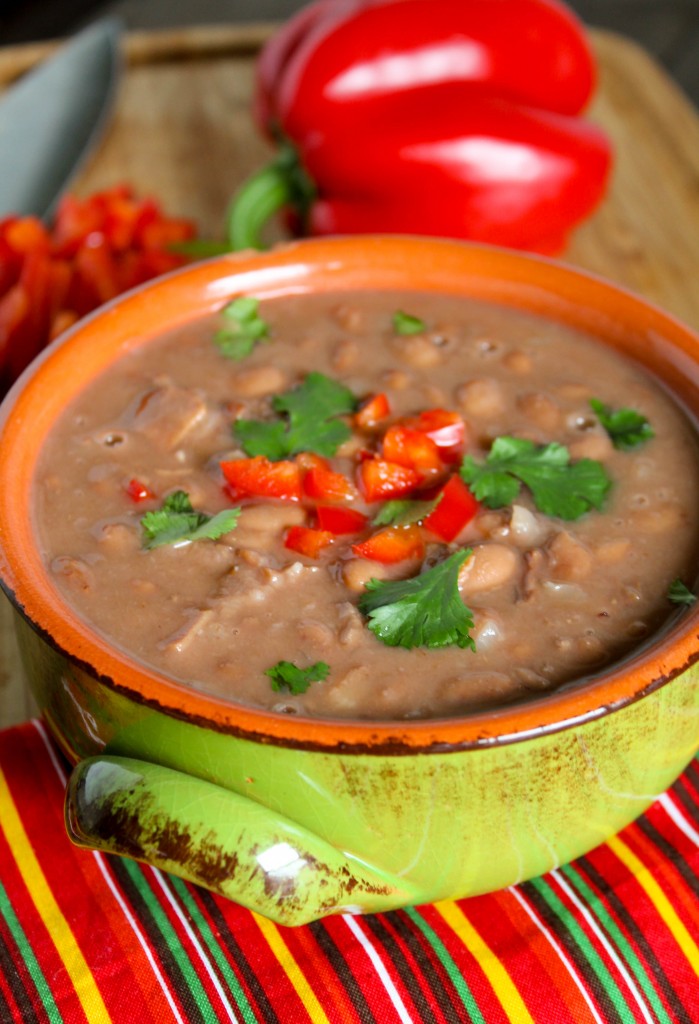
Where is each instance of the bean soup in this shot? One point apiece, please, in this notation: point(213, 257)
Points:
point(372, 505)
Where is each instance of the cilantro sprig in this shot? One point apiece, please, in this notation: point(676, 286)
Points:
point(559, 487)
point(406, 323)
point(627, 428)
point(177, 522)
point(287, 676)
point(404, 511)
point(243, 330)
point(679, 593)
point(423, 611)
point(307, 421)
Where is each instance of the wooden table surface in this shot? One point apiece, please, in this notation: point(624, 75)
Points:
point(183, 133)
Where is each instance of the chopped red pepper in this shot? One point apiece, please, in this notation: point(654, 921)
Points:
point(411, 448)
point(96, 248)
point(260, 478)
point(380, 480)
point(321, 481)
point(394, 544)
point(138, 491)
point(469, 108)
point(372, 411)
point(340, 520)
point(447, 429)
point(455, 509)
point(307, 540)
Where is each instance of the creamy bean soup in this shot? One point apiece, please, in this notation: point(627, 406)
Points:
point(372, 506)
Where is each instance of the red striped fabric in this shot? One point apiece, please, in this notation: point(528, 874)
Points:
point(610, 939)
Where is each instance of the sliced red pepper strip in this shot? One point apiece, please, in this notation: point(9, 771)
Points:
point(341, 520)
point(394, 544)
point(260, 478)
point(411, 448)
point(455, 509)
point(372, 411)
point(379, 479)
point(307, 540)
point(321, 481)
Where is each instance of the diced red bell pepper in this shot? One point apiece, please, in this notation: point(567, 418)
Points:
point(260, 478)
point(95, 249)
point(455, 509)
point(372, 411)
point(446, 428)
point(307, 540)
point(340, 520)
point(380, 480)
point(394, 544)
point(322, 482)
point(138, 491)
point(411, 448)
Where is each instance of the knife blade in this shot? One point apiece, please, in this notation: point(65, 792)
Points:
point(54, 115)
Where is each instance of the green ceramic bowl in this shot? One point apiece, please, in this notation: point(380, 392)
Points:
point(297, 818)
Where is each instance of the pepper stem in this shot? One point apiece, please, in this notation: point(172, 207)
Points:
point(281, 183)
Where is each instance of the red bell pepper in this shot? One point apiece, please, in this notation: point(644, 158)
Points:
point(445, 428)
point(372, 412)
point(340, 520)
point(336, 53)
point(411, 448)
point(321, 481)
point(394, 544)
point(307, 540)
point(258, 477)
point(444, 117)
point(455, 509)
point(380, 480)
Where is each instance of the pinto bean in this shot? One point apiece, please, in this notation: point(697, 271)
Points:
point(349, 318)
point(611, 552)
point(569, 559)
point(482, 397)
point(357, 572)
point(490, 566)
point(541, 410)
point(518, 362)
point(315, 634)
point(269, 518)
point(260, 380)
point(419, 351)
point(593, 446)
point(660, 520)
point(345, 355)
point(74, 571)
point(117, 538)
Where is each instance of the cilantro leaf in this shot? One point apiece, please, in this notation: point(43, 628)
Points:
point(678, 593)
point(286, 675)
point(404, 511)
point(246, 328)
point(406, 323)
point(559, 487)
point(177, 522)
point(424, 611)
point(309, 421)
point(627, 428)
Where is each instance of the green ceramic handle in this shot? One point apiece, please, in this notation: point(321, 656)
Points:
point(221, 840)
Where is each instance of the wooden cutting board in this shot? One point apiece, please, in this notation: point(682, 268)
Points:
point(183, 132)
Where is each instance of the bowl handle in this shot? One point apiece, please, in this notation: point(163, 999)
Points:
point(221, 840)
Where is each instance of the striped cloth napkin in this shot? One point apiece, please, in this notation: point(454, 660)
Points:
point(90, 938)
